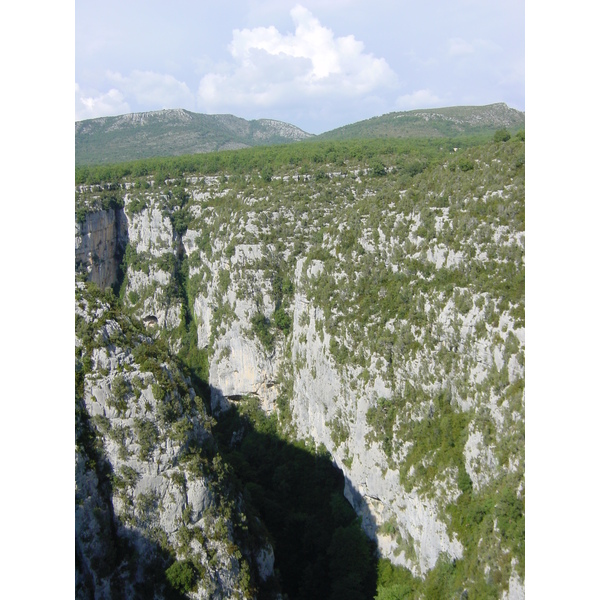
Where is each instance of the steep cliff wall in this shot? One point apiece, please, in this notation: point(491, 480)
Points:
point(99, 245)
point(381, 316)
point(154, 513)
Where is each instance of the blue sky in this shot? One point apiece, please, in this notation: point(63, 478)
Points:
point(316, 64)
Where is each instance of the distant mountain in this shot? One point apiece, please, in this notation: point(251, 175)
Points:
point(171, 133)
point(433, 122)
point(177, 131)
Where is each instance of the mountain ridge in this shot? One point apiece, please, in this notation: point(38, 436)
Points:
point(434, 122)
point(174, 132)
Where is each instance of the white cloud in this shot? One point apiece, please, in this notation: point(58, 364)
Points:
point(418, 99)
point(310, 64)
point(146, 90)
point(152, 90)
point(91, 105)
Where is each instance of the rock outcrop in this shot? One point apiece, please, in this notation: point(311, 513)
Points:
point(152, 499)
point(99, 245)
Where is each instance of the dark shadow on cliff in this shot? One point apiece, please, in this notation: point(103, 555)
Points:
point(292, 494)
point(122, 241)
point(297, 492)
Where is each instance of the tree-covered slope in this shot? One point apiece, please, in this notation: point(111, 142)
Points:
point(179, 132)
point(434, 123)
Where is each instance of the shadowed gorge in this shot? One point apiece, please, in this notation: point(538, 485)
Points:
point(298, 494)
point(291, 494)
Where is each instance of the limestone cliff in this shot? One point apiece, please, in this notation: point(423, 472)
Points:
point(379, 314)
point(99, 244)
point(154, 513)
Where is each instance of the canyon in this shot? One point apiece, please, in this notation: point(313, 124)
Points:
point(371, 306)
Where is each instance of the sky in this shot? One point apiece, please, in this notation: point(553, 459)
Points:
point(315, 64)
point(119, 53)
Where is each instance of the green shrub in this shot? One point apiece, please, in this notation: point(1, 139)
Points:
point(395, 583)
point(267, 173)
point(182, 576)
point(137, 204)
point(224, 281)
point(133, 296)
point(120, 388)
point(147, 437)
point(158, 392)
point(338, 429)
point(180, 220)
point(465, 164)
point(282, 320)
point(463, 302)
point(378, 169)
point(81, 214)
point(502, 135)
point(118, 398)
point(261, 327)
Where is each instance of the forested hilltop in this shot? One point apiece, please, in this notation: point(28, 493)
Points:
point(177, 132)
point(305, 374)
point(172, 133)
point(456, 121)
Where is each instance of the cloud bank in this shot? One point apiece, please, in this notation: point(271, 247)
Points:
point(95, 104)
point(146, 90)
point(307, 74)
point(306, 67)
point(299, 70)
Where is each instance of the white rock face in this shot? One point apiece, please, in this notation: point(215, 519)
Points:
point(203, 312)
point(150, 231)
point(516, 589)
point(151, 236)
point(239, 366)
point(371, 488)
point(243, 370)
point(168, 316)
point(266, 562)
point(322, 395)
point(155, 493)
point(480, 462)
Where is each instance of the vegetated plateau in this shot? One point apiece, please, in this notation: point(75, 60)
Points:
point(300, 372)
